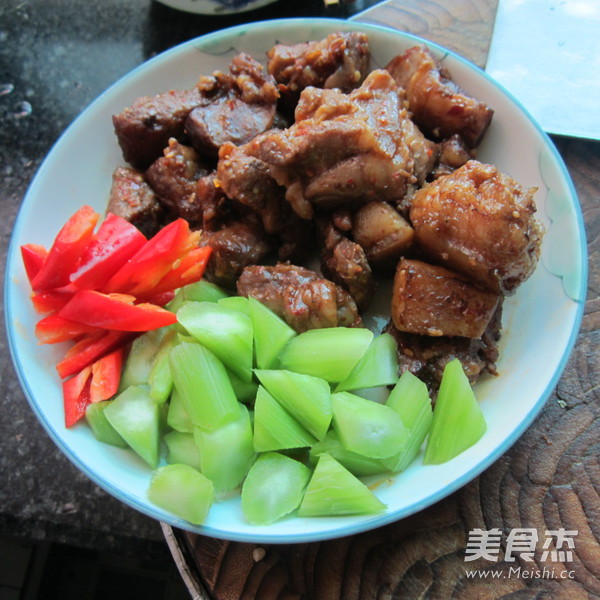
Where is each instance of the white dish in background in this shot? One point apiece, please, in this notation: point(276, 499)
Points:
point(216, 7)
point(540, 322)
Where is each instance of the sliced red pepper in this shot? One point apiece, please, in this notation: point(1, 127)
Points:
point(76, 396)
point(89, 349)
point(115, 242)
point(190, 269)
point(52, 300)
point(54, 329)
point(65, 253)
point(116, 311)
point(106, 375)
point(154, 260)
point(33, 256)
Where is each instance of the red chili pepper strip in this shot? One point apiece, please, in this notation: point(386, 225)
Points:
point(76, 396)
point(54, 329)
point(52, 300)
point(89, 349)
point(65, 253)
point(115, 312)
point(154, 260)
point(106, 375)
point(33, 256)
point(190, 270)
point(115, 242)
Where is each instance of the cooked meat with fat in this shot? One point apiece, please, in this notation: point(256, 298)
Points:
point(299, 296)
point(432, 300)
point(215, 207)
point(426, 356)
point(233, 248)
point(439, 107)
point(453, 154)
point(240, 105)
point(144, 128)
point(481, 223)
point(343, 148)
point(383, 234)
point(174, 176)
point(341, 60)
point(133, 199)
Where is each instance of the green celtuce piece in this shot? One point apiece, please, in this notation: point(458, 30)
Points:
point(245, 391)
point(271, 334)
point(367, 427)
point(306, 398)
point(203, 291)
point(275, 428)
point(239, 303)
point(101, 427)
point(139, 360)
point(177, 302)
point(333, 490)
point(273, 488)
point(183, 491)
point(227, 453)
point(224, 331)
point(329, 353)
point(378, 366)
point(458, 421)
point(357, 464)
point(160, 379)
point(177, 416)
point(410, 399)
point(202, 382)
point(136, 418)
point(182, 449)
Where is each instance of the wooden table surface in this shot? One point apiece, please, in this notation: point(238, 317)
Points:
point(550, 479)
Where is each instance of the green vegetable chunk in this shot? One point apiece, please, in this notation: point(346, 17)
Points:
point(306, 398)
point(203, 291)
point(239, 303)
point(367, 427)
point(378, 366)
point(271, 334)
point(357, 464)
point(183, 491)
point(273, 488)
point(160, 379)
point(329, 353)
point(333, 490)
point(275, 428)
point(182, 449)
point(204, 386)
point(458, 422)
point(177, 416)
point(227, 453)
point(410, 399)
point(139, 360)
point(101, 427)
point(245, 391)
point(224, 331)
point(136, 418)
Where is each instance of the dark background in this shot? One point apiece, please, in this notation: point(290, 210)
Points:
point(60, 535)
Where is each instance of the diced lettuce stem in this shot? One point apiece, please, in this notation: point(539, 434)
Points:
point(139, 360)
point(275, 428)
point(410, 399)
point(101, 427)
point(458, 421)
point(239, 303)
point(177, 415)
point(183, 491)
point(271, 334)
point(306, 398)
point(245, 391)
point(227, 453)
point(224, 331)
point(273, 488)
point(203, 291)
point(182, 449)
point(357, 464)
point(333, 490)
point(367, 427)
point(378, 366)
point(329, 353)
point(204, 386)
point(160, 379)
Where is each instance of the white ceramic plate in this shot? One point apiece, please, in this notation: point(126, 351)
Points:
point(540, 321)
point(215, 7)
